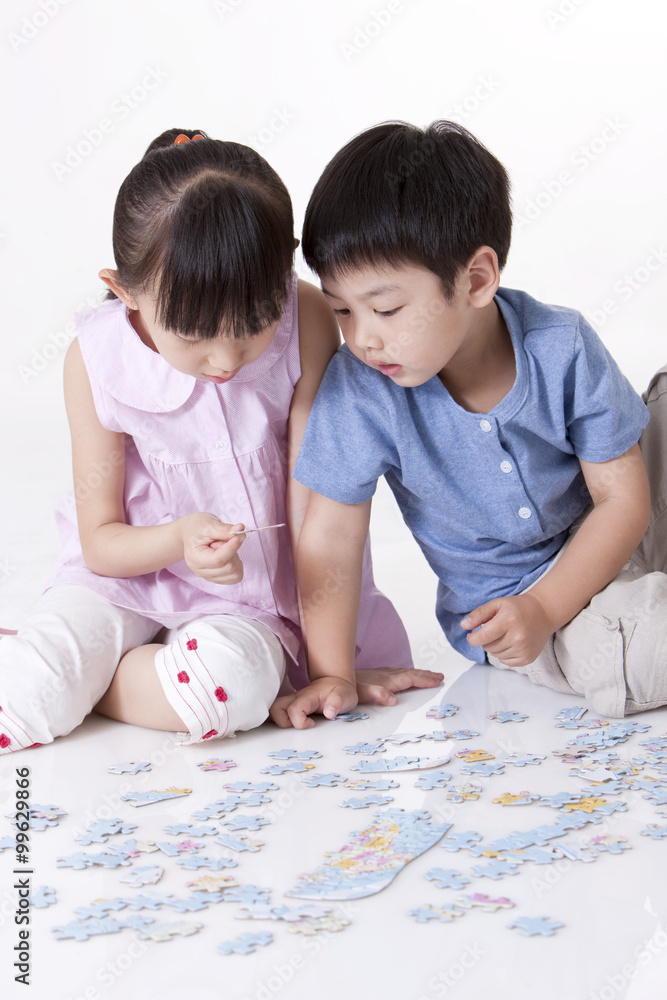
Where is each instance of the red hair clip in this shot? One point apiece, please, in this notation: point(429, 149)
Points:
point(180, 139)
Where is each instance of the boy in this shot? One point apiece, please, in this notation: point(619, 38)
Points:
point(504, 428)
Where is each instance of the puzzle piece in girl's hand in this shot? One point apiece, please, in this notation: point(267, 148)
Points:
point(442, 711)
point(517, 799)
point(99, 909)
point(315, 780)
point(245, 944)
point(458, 840)
point(242, 822)
point(520, 760)
point(398, 739)
point(442, 913)
point(495, 870)
point(484, 769)
point(436, 779)
point(195, 861)
point(371, 858)
point(100, 830)
point(292, 765)
point(81, 930)
point(216, 764)
point(44, 896)
point(247, 894)
point(130, 767)
point(261, 787)
point(530, 926)
point(571, 714)
point(446, 878)
point(297, 754)
point(461, 793)
point(512, 716)
point(474, 756)
point(212, 883)
point(398, 764)
point(652, 830)
point(368, 800)
point(481, 900)
point(377, 784)
point(138, 877)
point(166, 932)
point(136, 798)
point(238, 844)
point(363, 747)
point(350, 716)
point(192, 831)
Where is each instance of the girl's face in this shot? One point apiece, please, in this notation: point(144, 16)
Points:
point(217, 360)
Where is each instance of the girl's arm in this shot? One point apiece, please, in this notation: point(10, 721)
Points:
point(110, 546)
point(515, 629)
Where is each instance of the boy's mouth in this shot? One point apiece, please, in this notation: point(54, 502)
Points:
point(386, 369)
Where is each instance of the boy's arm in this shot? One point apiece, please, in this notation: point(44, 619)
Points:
point(515, 629)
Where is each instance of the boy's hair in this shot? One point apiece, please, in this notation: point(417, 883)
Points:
point(207, 227)
point(398, 194)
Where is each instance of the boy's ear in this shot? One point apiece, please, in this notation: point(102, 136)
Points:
point(110, 278)
point(484, 276)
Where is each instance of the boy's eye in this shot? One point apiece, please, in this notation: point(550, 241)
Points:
point(341, 312)
point(388, 312)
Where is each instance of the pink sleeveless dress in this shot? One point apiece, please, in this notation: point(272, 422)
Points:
point(195, 446)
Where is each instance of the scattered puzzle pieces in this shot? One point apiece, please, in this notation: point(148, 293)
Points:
point(315, 780)
point(445, 915)
point(138, 877)
point(363, 747)
point(216, 764)
point(291, 765)
point(130, 767)
point(261, 787)
point(483, 769)
point(447, 878)
point(368, 800)
point(297, 754)
point(245, 944)
point(436, 779)
point(517, 799)
point(136, 798)
point(43, 897)
point(100, 830)
point(520, 760)
point(483, 902)
point(350, 716)
point(442, 711)
point(464, 792)
point(398, 764)
point(457, 841)
point(377, 784)
point(508, 717)
point(655, 831)
point(241, 822)
point(166, 932)
point(530, 926)
point(495, 870)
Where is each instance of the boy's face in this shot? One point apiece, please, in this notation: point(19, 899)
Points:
point(397, 319)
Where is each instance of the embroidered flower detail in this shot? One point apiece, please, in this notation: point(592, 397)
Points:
point(211, 732)
point(182, 677)
point(35, 745)
point(191, 643)
point(4, 741)
point(220, 694)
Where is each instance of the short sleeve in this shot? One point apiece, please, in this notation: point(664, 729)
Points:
point(604, 414)
point(348, 442)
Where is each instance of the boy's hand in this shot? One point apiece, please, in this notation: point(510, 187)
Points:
point(513, 629)
point(379, 686)
point(209, 550)
point(326, 695)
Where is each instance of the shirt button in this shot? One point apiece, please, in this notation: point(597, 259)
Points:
point(505, 467)
point(485, 425)
point(222, 445)
point(524, 512)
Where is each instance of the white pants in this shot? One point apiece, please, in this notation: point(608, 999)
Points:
point(63, 659)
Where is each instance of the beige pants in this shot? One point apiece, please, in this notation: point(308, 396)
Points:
point(614, 652)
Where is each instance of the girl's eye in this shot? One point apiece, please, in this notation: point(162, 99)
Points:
point(388, 312)
point(341, 312)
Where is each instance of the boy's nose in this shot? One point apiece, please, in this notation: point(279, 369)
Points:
point(366, 337)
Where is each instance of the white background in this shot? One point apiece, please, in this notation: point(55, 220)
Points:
point(548, 87)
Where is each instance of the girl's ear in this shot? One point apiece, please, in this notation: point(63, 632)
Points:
point(110, 278)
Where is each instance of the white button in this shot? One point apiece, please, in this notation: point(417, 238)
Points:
point(485, 425)
point(505, 467)
point(524, 512)
point(222, 445)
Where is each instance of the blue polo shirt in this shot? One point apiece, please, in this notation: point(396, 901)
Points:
point(489, 497)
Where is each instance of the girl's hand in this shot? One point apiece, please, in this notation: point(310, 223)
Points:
point(326, 695)
point(513, 629)
point(209, 549)
point(379, 686)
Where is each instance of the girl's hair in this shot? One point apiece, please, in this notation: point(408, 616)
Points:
point(398, 194)
point(206, 226)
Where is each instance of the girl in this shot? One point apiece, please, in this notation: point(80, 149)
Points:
point(187, 394)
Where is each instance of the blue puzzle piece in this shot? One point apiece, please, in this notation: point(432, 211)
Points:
point(235, 843)
point(368, 800)
point(192, 831)
point(398, 739)
point(80, 860)
point(571, 714)
point(291, 765)
point(615, 787)
point(297, 754)
point(350, 716)
point(520, 760)
point(242, 822)
point(261, 787)
point(100, 830)
point(391, 764)
point(530, 926)
point(246, 894)
point(81, 930)
point(456, 841)
point(363, 747)
point(99, 909)
point(425, 913)
point(434, 779)
point(442, 711)
point(559, 800)
point(7, 843)
point(508, 716)
point(245, 944)
point(315, 780)
point(130, 767)
point(377, 784)
point(193, 862)
point(447, 878)
point(479, 767)
point(43, 897)
point(652, 830)
point(495, 870)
